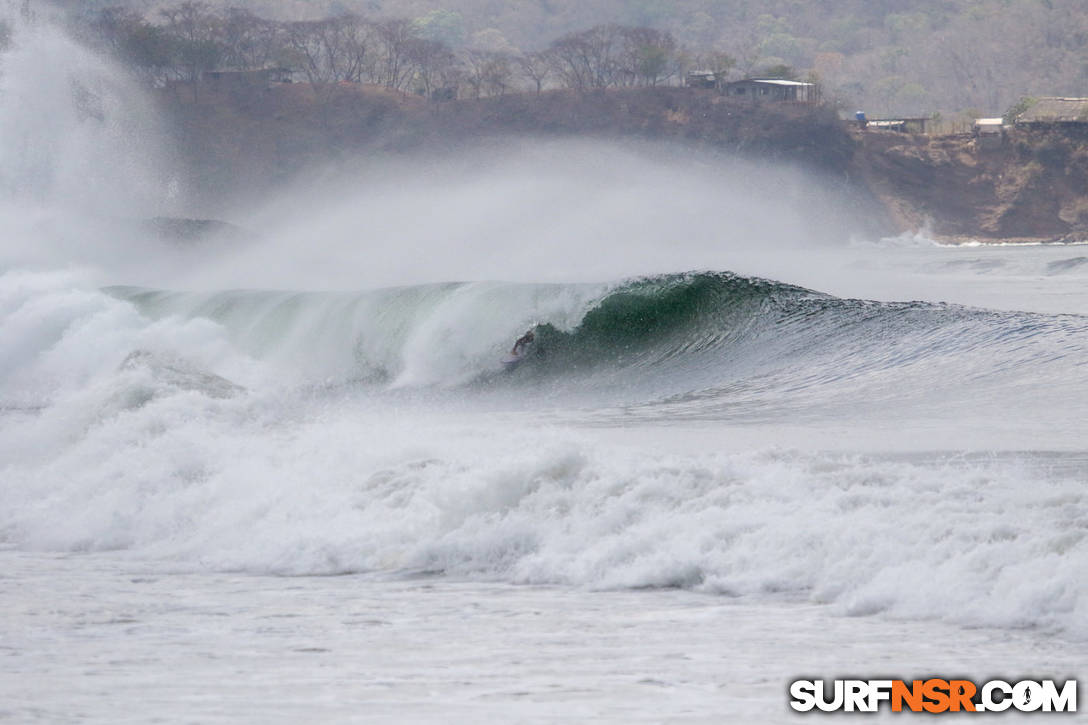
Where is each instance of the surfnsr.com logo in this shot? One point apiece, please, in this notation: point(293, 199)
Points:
point(933, 695)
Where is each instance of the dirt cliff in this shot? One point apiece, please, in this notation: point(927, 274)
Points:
point(1026, 185)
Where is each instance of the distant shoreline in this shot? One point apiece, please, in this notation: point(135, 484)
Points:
point(1019, 242)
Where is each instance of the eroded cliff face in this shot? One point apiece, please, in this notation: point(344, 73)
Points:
point(1024, 186)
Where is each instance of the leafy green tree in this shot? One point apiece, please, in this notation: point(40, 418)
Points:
point(492, 39)
point(718, 62)
point(443, 26)
point(782, 45)
point(1018, 108)
point(647, 55)
point(779, 71)
point(901, 26)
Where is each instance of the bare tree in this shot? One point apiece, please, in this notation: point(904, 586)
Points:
point(537, 67)
point(305, 43)
point(499, 73)
point(194, 28)
point(110, 25)
point(329, 51)
point(487, 73)
point(249, 41)
point(346, 47)
point(614, 55)
point(433, 62)
point(395, 38)
point(125, 34)
point(573, 59)
point(646, 56)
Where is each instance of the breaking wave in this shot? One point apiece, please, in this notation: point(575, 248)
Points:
point(706, 344)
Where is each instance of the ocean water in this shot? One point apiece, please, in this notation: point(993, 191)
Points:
point(288, 478)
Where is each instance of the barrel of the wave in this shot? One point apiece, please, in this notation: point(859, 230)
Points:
point(522, 346)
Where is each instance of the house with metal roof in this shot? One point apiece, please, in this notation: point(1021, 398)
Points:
point(1047, 111)
point(914, 124)
point(989, 132)
point(772, 89)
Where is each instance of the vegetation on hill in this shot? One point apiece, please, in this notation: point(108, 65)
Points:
point(913, 57)
point(193, 40)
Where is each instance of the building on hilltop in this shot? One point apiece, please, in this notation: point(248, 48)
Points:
point(902, 125)
point(989, 132)
point(1052, 111)
point(989, 126)
point(774, 89)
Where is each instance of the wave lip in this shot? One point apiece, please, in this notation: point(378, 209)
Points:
point(695, 345)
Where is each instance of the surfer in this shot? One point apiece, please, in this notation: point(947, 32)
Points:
point(522, 344)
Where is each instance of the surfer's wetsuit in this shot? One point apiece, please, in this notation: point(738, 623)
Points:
point(522, 343)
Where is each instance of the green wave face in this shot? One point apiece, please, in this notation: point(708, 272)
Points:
point(706, 344)
point(722, 346)
point(655, 318)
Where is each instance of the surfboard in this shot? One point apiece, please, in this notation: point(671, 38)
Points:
point(511, 361)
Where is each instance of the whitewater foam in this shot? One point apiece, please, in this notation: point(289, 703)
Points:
point(195, 480)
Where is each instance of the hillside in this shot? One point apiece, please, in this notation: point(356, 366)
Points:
point(261, 136)
point(1030, 186)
